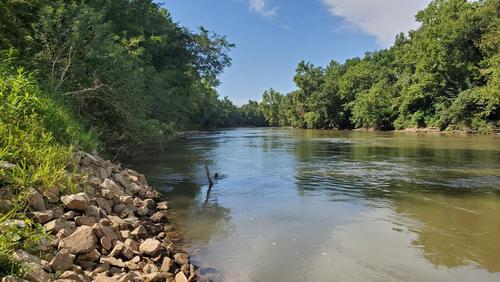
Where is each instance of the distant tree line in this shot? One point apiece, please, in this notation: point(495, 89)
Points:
point(445, 74)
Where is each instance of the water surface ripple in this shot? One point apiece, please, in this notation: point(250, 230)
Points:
point(306, 205)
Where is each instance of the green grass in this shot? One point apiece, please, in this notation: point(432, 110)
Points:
point(38, 137)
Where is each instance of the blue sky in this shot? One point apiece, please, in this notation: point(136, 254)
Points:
point(272, 36)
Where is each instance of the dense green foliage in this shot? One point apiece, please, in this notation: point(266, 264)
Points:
point(123, 68)
point(445, 74)
point(93, 74)
point(36, 140)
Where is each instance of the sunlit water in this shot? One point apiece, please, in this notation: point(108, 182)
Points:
point(304, 205)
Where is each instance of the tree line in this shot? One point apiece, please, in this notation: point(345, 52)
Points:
point(124, 69)
point(445, 74)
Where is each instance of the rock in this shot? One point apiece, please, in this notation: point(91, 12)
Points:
point(133, 245)
point(79, 202)
point(129, 277)
point(127, 200)
point(105, 231)
point(35, 200)
point(52, 194)
point(111, 186)
point(5, 165)
point(104, 204)
point(101, 268)
point(33, 263)
point(117, 249)
point(193, 277)
point(127, 252)
point(143, 211)
point(140, 232)
point(58, 224)
point(150, 247)
point(106, 242)
point(73, 276)
point(181, 258)
point(121, 180)
point(117, 222)
point(63, 233)
point(92, 256)
point(94, 181)
point(71, 215)
point(103, 173)
point(181, 277)
point(125, 234)
point(167, 265)
point(154, 277)
point(132, 265)
point(150, 204)
point(160, 217)
point(85, 220)
point(150, 267)
point(92, 211)
point(112, 261)
point(119, 208)
point(10, 278)
point(87, 265)
point(162, 206)
point(81, 241)
point(62, 261)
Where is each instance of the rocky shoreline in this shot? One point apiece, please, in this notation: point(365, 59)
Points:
point(116, 230)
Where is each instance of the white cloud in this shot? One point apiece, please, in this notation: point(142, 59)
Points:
point(383, 19)
point(262, 7)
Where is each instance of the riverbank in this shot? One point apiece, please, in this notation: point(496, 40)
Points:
point(117, 229)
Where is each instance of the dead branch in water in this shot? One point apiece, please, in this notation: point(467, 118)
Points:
point(210, 181)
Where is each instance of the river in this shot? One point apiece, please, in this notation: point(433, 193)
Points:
point(312, 205)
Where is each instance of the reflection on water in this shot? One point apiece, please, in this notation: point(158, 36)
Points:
point(305, 205)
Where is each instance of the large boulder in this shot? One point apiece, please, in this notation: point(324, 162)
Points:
point(62, 261)
point(33, 263)
point(150, 247)
point(79, 202)
point(81, 241)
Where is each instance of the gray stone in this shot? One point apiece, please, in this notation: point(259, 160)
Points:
point(140, 232)
point(33, 263)
point(62, 261)
point(167, 265)
point(58, 224)
point(181, 258)
point(85, 220)
point(112, 261)
point(150, 247)
point(110, 185)
point(103, 204)
point(81, 241)
point(79, 202)
point(181, 277)
point(35, 200)
point(117, 249)
point(73, 276)
point(160, 217)
point(162, 206)
point(154, 277)
point(92, 256)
